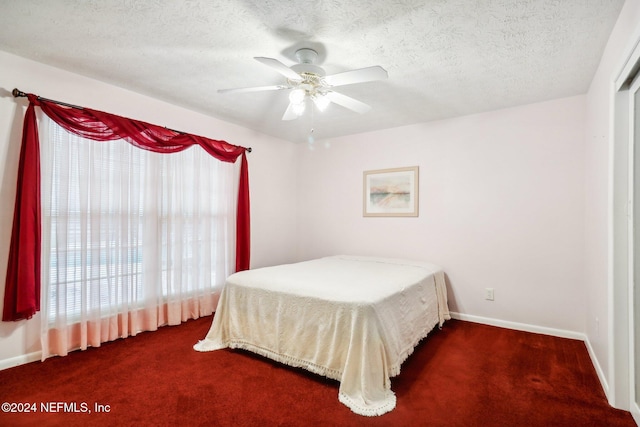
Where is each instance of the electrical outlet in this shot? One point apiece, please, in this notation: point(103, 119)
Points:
point(488, 294)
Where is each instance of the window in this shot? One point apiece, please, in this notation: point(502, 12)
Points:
point(127, 230)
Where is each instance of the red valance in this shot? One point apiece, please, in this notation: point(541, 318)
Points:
point(22, 289)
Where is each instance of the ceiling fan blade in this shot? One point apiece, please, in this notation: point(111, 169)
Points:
point(348, 102)
point(253, 89)
point(279, 67)
point(289, 113)
point(360, 75)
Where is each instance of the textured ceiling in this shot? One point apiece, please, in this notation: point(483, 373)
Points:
point(444, 57)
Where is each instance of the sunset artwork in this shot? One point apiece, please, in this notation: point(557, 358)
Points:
point(391, 192)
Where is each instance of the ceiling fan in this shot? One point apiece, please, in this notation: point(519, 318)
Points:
point(308, 81)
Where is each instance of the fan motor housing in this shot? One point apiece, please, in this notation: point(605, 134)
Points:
point(307, 57)
point(308, 69)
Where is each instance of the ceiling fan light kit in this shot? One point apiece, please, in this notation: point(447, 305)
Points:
point(308, 81)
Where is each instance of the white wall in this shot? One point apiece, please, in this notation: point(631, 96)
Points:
point(271, 168)
point(599, 143)
point(501, 206)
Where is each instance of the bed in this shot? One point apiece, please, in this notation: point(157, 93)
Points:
point(352, 319)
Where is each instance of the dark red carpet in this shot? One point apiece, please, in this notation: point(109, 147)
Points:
point(463, 375)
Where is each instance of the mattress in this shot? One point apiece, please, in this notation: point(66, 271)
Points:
point(352, 319)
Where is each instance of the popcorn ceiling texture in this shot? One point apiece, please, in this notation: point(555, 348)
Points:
point(445, 58)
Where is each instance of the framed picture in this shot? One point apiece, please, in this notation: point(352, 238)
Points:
point(391, 192)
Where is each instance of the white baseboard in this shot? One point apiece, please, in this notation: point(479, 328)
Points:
point(562, 333)
point(20, 360)
point(599, 371)
point(635, 412)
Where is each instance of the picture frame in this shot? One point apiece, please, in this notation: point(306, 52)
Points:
point(391, 192)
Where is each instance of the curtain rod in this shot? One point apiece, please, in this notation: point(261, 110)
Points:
point(17, 93)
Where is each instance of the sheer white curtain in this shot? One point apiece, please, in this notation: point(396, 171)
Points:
point(132, 240)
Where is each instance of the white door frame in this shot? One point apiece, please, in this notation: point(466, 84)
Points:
point(634, 234)
point(625, 204)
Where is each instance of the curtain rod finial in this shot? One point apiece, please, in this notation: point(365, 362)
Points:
point(17, 93)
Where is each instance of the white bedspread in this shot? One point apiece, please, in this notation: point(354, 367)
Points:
point(352, 319)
